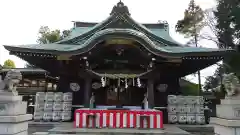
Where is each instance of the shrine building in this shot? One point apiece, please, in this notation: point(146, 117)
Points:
point(118, 60)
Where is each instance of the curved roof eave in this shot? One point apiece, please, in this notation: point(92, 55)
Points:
point(92, 30)
point(109, 20)
point(106, 34)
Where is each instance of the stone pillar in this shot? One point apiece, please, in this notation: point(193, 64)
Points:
point(227, 121)
point(13, 117)
point(87, 91)
point(150, 91)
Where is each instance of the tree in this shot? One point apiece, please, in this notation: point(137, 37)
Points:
point(50, 36)
point(214, 80)
point(228, 30)
point(192, 22)
point(191, 25)
point(225, 24)
point(9, 64)
point(188, 88)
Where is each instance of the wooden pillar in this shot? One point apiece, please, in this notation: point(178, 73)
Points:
point(87, 91)
point(150, 91)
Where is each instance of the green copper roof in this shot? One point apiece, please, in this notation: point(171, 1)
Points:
point(118, 25)
point(160, 32)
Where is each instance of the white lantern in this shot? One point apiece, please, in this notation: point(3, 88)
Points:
point(103, 81)
point(139, 82)
point(126, 83)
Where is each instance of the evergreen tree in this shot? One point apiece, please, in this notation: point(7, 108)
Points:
point(224, 18)
point(191, 25)
point(227, 15)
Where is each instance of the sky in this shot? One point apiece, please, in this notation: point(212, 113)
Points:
point(20, 20)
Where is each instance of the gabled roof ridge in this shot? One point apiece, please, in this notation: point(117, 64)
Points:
point(92, 24)
point(109, 20)
point(119, 11)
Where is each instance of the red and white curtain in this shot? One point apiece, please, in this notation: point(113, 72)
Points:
point(118, 119)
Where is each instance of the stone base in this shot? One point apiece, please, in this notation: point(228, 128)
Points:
point(13, 128)
point(230, 101)
point(13, 108)
point(13, 117)
point(6, 96)
point(225, 127)
point(229, 109)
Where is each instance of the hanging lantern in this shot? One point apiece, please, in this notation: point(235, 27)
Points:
point(103, 82)
point(126, 83)
point(119, 82)
point(139, 82)
point(87, 64)
point(116, 89)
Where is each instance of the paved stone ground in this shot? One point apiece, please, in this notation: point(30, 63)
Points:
point(45, 127)
point(33, 129)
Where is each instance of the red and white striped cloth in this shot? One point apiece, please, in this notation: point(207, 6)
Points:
point(85, 118)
